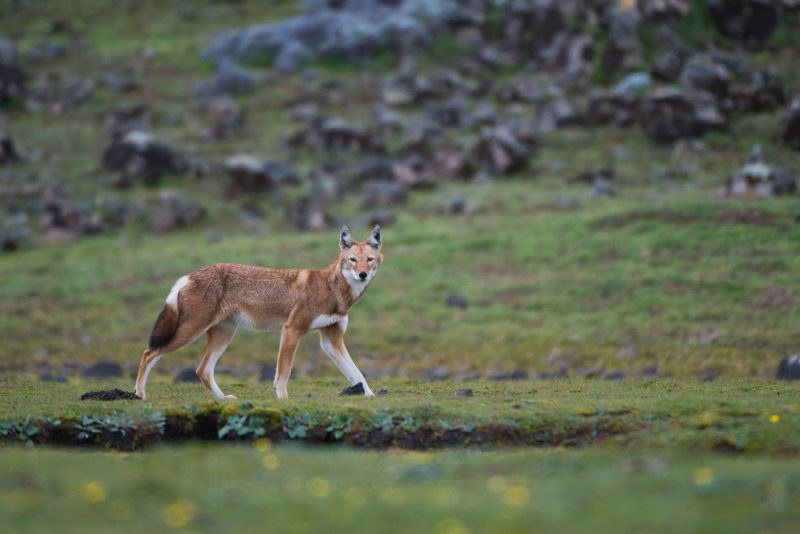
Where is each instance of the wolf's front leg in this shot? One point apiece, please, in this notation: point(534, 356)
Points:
point(332, 343)
point(290, 337)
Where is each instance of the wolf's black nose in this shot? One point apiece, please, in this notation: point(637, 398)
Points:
point(362, 275)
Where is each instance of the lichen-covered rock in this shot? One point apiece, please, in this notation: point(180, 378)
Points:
point(140, 154)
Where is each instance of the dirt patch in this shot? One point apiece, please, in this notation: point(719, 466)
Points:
point(745, 217)
point(109, 395)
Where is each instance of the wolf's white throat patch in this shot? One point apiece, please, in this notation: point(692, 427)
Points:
point(172, 298)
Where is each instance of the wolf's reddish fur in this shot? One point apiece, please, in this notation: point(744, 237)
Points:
point(217, 299)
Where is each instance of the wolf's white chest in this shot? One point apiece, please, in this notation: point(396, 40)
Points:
point(321, 321)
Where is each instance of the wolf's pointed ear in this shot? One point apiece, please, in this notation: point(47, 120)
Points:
point(346, 238)
point(374, 239)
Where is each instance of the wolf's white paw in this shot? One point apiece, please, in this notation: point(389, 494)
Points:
point(230, 397)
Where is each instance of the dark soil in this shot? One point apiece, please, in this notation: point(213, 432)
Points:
point(358, 389)
point(109, 395)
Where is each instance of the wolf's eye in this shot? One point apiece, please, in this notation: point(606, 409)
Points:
point(353, 260)
point(370, 259)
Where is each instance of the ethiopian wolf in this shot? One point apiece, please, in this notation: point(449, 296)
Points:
point(217, 299)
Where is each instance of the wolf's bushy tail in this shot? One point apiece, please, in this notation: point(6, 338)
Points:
point(165, 328)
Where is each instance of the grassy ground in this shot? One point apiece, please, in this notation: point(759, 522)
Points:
point(742, 415)
point(292, 489)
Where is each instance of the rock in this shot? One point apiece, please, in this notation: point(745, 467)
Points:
point(252, 175)
point(499, 152)
point(226, 117)
point(589, 372)
point(306, 214)
point(384, 193)
point(464, 392)
point(14, 233)
point(109, 395)
point(357, 389)
point(791, 128)
point(757, 178)
point(668, 66)
point(749, 22)
point(606, 109)
point(667, 117)
point(514, 375)
point(705, 73)
point(230, 79)
point(103, 369)
point(414, 172)
point(789, 368)
point(186, 374)
point(125, 119)
point(349, 29)
point(439, 373)
point(622, 48)
point(12, 77)
point(382, 392)
point(333, 134)
point(267, 373)
point(51, 377)
point(632, 84)
point(122, 84)
point(764, 92)
point(175, 212)
point(58, 92)
point(456, 301)
point(600, 180)
point(615, 375)
point(650, 370)
point(8, 151)
point(142, 155)
point(709, 375)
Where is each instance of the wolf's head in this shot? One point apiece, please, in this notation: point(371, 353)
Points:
point(359, 260)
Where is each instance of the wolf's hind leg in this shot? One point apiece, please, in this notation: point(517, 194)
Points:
point(219, 336)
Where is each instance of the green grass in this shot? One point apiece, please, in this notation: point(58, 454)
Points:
point(743, 415)
point(288, 489)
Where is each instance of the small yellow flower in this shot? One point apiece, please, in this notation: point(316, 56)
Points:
point(270, 461)
point(263, 444)
point(703, 476)
point(451, 525)
point(497, 484)
point(179, 513)
point(516, 496)
point(774, 418)
point(319, 488)
point(94, 492)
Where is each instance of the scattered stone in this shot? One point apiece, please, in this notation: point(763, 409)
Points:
point(757, 179)
point(709, 375)
point(230, 79)
point(103, 369)
point(513, 375)
point(335, 135)
point(457, 301)
point(650, 370)
point(749, 22)
point(8, 151)
point(439, 373)
point(125, 119)
point(109, 395)
point(267, 373)
point(465, 392)
point(703, 72)
point(227, 118)
point(119, 83)
point(176, 212)
point(589, 372)
point(51, 377)
point(306, 214)
point(791, 129)
point(187, 374)
point(789, 368)
point(12, 77)
point(499, 152)
point(668, 117)
point(357, 389)
point(615, 375)
point(142, 155)
point(764, 92)
point(58, 92)
point(611, 109)
point(382, 392)
point(252, 175)
point(550, 375)
point(384, 193)
point(600, 180)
